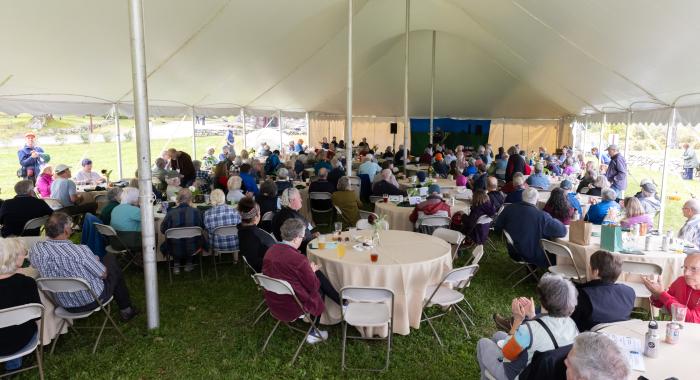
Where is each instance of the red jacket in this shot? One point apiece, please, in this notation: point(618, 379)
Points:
point(283, 262)
point(680, 292)
point(429, 206)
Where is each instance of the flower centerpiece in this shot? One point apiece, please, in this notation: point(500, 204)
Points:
point(106, 173)
point(378, 223)
point(197, 195)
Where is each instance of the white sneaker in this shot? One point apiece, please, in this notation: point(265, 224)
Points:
point(189, 267)
point(176, 269)
point(317, 336)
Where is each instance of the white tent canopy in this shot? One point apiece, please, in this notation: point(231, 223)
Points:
point(515, 59)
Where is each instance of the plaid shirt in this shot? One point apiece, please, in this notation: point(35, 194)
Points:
point(222, 215)
point(62, 258)
point(181, 216)
point(204, 181)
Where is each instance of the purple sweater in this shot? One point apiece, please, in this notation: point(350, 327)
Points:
point(644, 218)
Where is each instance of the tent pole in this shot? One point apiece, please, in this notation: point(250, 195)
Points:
point(664, 174)
point(138, 69)
point(585, 134)
point(306, 117)
point(244, 131)
point(194, 134)
point(600, 142)
point(119, 141)
point(279, 122)
point(348, 110)
point(432, 91)
point(627, 140)
point(406, 127)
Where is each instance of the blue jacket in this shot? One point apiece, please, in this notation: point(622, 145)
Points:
point(515, 196)
point(598, 211)
point(249, 184)
point(27, 161)
point(527, 224)
point(575, 203)
point(91, 237)
point(538, 180)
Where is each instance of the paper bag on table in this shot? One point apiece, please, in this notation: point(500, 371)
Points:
point(580, 232)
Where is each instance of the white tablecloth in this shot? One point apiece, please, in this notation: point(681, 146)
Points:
point(398, 216)
point(408, 263)
point(444, 183)
point(412, 169)
point(674, 360)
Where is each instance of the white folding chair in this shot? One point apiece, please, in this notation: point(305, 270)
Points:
point(55, 204)
point(51, 286)
point(521, 264)
point(33, 224)
point(454, 238)
point(367, 307)
point(259, 287)
point(110, 235)
point(447, 295)
point(569, 271)
point(266, 221)
point(355, 184)
point(267, 217)
point(184, 233)
point(477, 254)
point(643, 269)
point(428, 224)
point(282, 287)
point(321, 196)
point(223, 232)
point(17, 315)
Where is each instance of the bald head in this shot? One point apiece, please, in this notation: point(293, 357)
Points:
point(693, 206)
point(691, 270)
point(491, 183)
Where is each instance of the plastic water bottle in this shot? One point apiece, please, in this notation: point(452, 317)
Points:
point(651, 340)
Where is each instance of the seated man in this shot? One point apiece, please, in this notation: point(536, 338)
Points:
point(690, 231)
point(516, 193)
point(253, 240)
point(567, 186)
point(291, 204)
point(158, 173)
point(601, 300)
point(538, 179)
point(283, 181)
point(321, 185)
point(369, 167)
point(496, 197)
point(647, 195)
point(596, 214)
point(283, 261)
point(59, 257)
point(183, 215)
point(385, 186)
point(17, 211)
point(434, 205)
point(595, 356)
point(87, 176)
point(683, 291)
point(202, 177)
point(63, 189)
point(219, 215)
point(527, 224)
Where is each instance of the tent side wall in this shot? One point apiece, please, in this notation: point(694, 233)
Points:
point(530, 134)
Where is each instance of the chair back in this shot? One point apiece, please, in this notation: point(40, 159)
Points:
point(35, 223)
point(636, 267)
point(477, 254)
point(363, 224)
point(367, 294)
point(55, 204)
point(225, 231)
point(428, 224)
point(319, 196)
point(250, 267)
point(274, 285)
point(561, 250)
point(461, 277)
point(451, 236)
point(63, 285)
point(17, 315)
point(375, 198)
point(105, 230)
point(183, 232)
point(267, 217)
point(484, 219)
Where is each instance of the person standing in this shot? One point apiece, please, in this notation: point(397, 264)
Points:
point(30, 158)
point(690, 161)
point(182, 162)
point(617, 170)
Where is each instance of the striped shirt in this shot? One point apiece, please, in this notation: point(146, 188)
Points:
point(222, 215)
point(62, 258)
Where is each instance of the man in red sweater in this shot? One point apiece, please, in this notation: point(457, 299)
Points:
point(685, 290)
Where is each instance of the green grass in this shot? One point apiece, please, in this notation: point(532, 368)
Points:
point(205, 333)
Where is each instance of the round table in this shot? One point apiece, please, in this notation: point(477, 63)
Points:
point(442, 182)
point(674, 360)
point(397, 216)
point(408, 263)
point(412, 169)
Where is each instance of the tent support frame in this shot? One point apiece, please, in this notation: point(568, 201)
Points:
point(406, 122)
point(120, 169)
point(348, 111)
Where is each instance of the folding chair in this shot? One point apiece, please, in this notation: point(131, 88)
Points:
point(110, 234)
point(14, 316)
point(428, 224)
point(448, 297)
point(491, 229)
point(642, 269)
point(50, 286)
point(454, 238)
point(257, 286)
point(55, 204)
point(223, 232)
point(355, 184)
point(33, 224)
point(266, 221)
point(521, 264)
point(282, 287)
point(184, 233)
point(367, 307)
point(477, 254)
point(320, 196)
point(569, 271)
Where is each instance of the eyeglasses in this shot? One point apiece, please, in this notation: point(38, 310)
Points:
point(691, 269)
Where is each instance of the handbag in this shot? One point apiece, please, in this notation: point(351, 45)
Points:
point(580, 232)
point(611, 238)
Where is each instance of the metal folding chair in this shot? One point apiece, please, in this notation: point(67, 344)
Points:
point(110, 234)
point(428, 224)
point(18, 315)
point(33, 224)
point(266, 221)
point(321, 196)
point(257, 286)
point(477, 254)
point(184, 233)
point(223, 231)
point(54, 203)
point(50, 286)
point(642, 269)
point(367, 307)
point(284, 288)
point(521, 264)
point(355, 184)
point(454, 238)
point(569, 271)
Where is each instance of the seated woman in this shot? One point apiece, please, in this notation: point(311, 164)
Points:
point(173, 180)
point(253, 240)
point(221, 215)
point(529, 332)
point(283, 261)
point(596, 214)
point(220, 176)
point(283, 181)
point(126, 220)
point(183, 215)
point(596, 188)
point(634, 214)
point(347, 201)
point(291, 204)
point(267, 198)
point(16, 289)
point(113, 198)
point(234, 189)
point(43, 184)
point(558, 206)
point(481, 205)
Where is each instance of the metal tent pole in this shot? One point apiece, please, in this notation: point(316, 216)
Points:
point(139, 79)
point(600, 142)
point(306, 118)
point(585, 133)
point(279, 122)
point(627, 133)
point(245, 137)
point(664, 173)
point(119, 141)
point(348, 110)
point(406, 127)
point(432, 90)
point(194, 134)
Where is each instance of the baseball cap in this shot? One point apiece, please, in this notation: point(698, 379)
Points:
point(85, 161)
point(30, 133)
point(566, 184)
point(61, 168)
point(434, 188)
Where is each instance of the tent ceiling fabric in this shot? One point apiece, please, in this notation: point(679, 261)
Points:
point(517, 59)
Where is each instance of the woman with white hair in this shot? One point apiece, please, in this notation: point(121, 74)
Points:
point(234, 189)
point(221, 215)
point(529, 332)
point(596, 357)
point(126, 220)
point(17, 289)
point(283, 182)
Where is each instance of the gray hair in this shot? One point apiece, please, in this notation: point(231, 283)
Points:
point(184, 196)
point(694, 205)
point(197, 164)
point(292, 228)
point(323, 173)
point(557, 295)
point(10, 250)
point(343, 184)
point(596, 357)
point(56, 225)
point(114, 194)
point(282, 173)
point(608, 194)
point(518, 179)
point(530, 196)
point(160, 163)
point(24, 187)
point(287, 195)
point(217, 197)
point(130, 196)
point(601, 182)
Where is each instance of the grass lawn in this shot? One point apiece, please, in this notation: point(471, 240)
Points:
point(205, 333)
